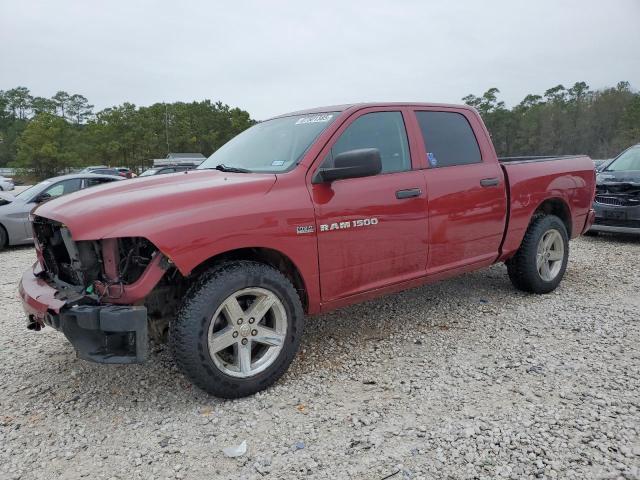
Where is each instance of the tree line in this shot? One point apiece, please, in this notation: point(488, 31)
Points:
point(46, 136)
point(562, 121)
point(43, 137)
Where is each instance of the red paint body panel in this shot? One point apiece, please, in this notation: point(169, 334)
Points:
point(453, 226)
point(37, 296)
point(571, 180)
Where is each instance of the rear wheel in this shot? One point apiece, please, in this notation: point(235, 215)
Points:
point(539, 264)
point(238, 329)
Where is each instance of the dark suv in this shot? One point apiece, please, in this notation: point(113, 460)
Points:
point(617, 202)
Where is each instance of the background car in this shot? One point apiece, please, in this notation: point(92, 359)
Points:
point(104, 170)
point(126, 172)
point(166, 169)
point(15, 228)
point(6, 184)
point(617, 201)
point(601, 164)
point(92, 168)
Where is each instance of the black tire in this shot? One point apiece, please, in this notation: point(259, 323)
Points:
point(522, 268)
point(188, 334)
point(4, 238)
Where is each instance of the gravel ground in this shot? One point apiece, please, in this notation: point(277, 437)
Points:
point(467, 378)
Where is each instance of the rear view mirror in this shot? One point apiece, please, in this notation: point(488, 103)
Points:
point(363, 162)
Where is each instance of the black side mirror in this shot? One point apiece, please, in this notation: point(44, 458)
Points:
point(363, 162)
point(43, 198)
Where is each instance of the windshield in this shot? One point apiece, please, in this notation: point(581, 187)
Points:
point(273, 146)
point(34, 189)
point(151, 171)
point(628, 160)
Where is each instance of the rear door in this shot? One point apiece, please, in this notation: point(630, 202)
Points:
point(371, 231)
point(466, 189)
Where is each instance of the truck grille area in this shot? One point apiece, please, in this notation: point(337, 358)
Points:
point(618, 194)
point(81, 263)
point(620, 202)
point(74, 263)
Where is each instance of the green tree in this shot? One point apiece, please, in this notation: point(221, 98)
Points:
point(18, 101)
point(46, 147)
point(43, 105)
point(61, 99)
point(78, 109)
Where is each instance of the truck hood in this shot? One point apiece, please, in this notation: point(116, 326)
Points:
point(141, 206)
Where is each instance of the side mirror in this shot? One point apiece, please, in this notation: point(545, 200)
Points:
point(363, 162)
point(42, 198)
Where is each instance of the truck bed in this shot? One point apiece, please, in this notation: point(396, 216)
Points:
point(536, 158)
point(532, 180)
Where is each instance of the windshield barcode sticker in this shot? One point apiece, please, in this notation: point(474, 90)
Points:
point(323, 117)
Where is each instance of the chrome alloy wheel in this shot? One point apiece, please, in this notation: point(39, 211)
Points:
point(550, 255)
point(247, 332)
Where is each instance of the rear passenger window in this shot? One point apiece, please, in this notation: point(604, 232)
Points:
point(448, 139)
point(382, 130)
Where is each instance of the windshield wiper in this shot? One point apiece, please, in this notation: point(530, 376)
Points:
point(224, 168)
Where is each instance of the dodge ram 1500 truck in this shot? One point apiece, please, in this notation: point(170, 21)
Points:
point(300, 214)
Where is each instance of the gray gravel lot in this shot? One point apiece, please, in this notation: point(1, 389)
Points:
point(467, 378)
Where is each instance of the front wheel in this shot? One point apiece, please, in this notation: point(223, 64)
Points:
point(238, 329)
point(539, 264)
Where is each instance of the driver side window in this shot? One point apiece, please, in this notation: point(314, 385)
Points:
point(382, 130)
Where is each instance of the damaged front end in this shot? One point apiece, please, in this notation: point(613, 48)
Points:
point(93, 291)
point(617, 207)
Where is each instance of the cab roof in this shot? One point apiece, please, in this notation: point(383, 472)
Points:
point(358, 106)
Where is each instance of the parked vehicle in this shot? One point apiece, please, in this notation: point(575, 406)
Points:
point(109, 171)
point(6, 184)
point(92, 168)
point(300, 214)
point(601, 164)
point(15, 228)
point(617, 201)
point(166, 169)
point(115, 171)
point(126, 172)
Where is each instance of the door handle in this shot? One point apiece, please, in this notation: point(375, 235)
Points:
point(489, 182)
point(408, 193)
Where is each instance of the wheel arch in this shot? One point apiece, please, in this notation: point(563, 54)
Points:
point(558, 207)
point(267, 256)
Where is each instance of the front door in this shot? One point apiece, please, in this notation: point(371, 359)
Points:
point(371, 231)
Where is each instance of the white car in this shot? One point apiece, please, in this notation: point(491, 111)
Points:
point(6, 184)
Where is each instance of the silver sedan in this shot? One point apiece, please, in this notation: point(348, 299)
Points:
point(15, 228)
point(6, 184)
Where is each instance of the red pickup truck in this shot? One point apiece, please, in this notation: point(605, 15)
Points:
point(300, 214)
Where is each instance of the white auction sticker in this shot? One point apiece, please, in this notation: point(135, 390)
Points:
point(321, 118)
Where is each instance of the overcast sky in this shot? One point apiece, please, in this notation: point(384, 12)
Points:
point(270, 57)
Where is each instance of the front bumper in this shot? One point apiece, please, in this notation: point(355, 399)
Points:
point(617, 219)
point(99, 333)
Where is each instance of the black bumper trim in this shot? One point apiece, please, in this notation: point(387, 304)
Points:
point(105, 334)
